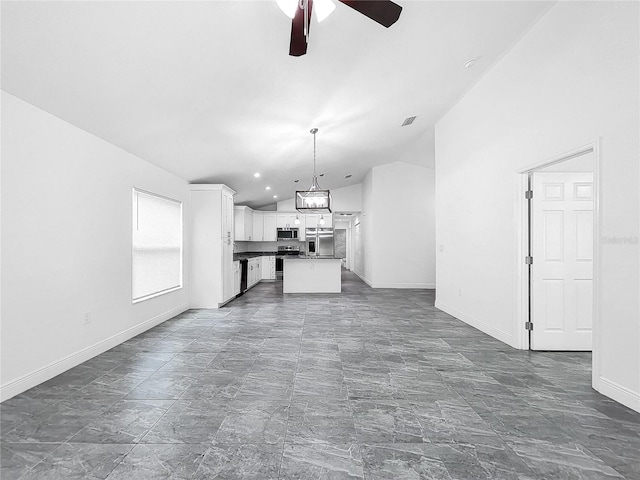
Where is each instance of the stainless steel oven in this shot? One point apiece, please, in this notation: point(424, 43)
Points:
point(283, 251)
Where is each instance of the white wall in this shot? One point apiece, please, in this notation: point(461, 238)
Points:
point(399, 219)
point(66, 245)
point(571, 80)
point(358, 259)
point(364, 262)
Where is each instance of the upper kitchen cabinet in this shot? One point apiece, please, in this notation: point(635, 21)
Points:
point(286, 220)
point(243, 223)
point(328, 221)
point(211, 228)
point(269, 227)
point(258, 226)
point(227, 216)
point(312, 220)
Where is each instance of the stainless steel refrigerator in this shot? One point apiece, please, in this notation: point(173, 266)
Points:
point(319, 242)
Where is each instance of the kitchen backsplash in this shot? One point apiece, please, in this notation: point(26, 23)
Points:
point(266, 246)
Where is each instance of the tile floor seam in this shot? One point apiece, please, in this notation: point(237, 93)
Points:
point(121, 461)
point(293, 391)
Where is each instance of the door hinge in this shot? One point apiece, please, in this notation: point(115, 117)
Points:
point(528, 260)
point(528, 194)
point(528, 325)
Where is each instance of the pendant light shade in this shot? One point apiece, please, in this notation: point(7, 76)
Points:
point(313, 200)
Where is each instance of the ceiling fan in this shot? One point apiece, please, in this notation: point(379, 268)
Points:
point(384, 12)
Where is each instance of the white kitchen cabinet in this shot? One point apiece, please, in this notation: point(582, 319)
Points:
point(253, 271)
point(268, 267)
point(211, 227)
point(328, 221)
point(243, 223)
point(227, 217)
point(237, 275)
point(269, 227)
point(286, 220)
point(272, 267)
point(258, 226)
point(301, 227)
point(312, 220)
point(227, 271)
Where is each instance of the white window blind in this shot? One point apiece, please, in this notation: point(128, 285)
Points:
point(156, 245)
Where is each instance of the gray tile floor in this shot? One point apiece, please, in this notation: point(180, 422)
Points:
point(374, 384)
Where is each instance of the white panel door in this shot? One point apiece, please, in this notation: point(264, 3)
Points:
point(562, 270)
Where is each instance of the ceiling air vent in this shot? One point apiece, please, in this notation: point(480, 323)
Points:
point(408, 121)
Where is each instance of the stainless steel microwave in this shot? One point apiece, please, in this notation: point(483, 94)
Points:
point(287, 234)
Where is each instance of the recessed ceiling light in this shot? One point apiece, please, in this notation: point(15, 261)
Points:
point(275, 196)
point(267, 188)
point(257, 174)
point(347, 176)
point(470, 63)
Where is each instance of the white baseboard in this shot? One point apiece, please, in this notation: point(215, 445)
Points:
point(479, 324)
point(43, 374)
point(620, 394)
point(419, 286)
point(363, 278)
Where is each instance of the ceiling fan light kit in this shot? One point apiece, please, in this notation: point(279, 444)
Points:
point(313, 200)
point(384, 12)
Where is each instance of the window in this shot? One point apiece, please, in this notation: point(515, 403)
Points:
point(156, 245)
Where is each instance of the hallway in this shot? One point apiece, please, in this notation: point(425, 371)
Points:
point(374, 384)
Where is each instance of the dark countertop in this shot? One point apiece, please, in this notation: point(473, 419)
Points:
point(243, 255)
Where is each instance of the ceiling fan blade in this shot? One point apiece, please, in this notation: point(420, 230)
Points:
point(298, 45)
point(385, 12)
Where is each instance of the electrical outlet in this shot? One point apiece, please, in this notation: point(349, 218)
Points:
point(441, 248)
point(459, 292)
point(87, 318)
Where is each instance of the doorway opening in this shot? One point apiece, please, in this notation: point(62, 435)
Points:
point(559, 253)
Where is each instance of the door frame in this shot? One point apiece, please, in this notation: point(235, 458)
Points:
point(522, 274)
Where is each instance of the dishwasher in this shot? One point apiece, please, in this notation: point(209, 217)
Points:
point(244, 266)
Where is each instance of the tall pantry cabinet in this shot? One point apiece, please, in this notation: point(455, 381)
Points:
point(211, 223)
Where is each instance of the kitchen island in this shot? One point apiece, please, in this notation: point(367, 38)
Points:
point(311, 275)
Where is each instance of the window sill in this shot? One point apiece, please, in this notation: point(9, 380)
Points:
point(157, 294)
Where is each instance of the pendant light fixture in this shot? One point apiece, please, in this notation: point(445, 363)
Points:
point(313, 200)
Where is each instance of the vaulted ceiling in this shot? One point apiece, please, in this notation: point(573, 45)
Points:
point(207, 90)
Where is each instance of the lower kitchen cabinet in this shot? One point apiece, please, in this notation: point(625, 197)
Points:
point(253, 271)
point(269, 267)
point(237, 273)
point(260, 268)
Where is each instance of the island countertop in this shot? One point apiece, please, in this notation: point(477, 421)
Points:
point(310, 257)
